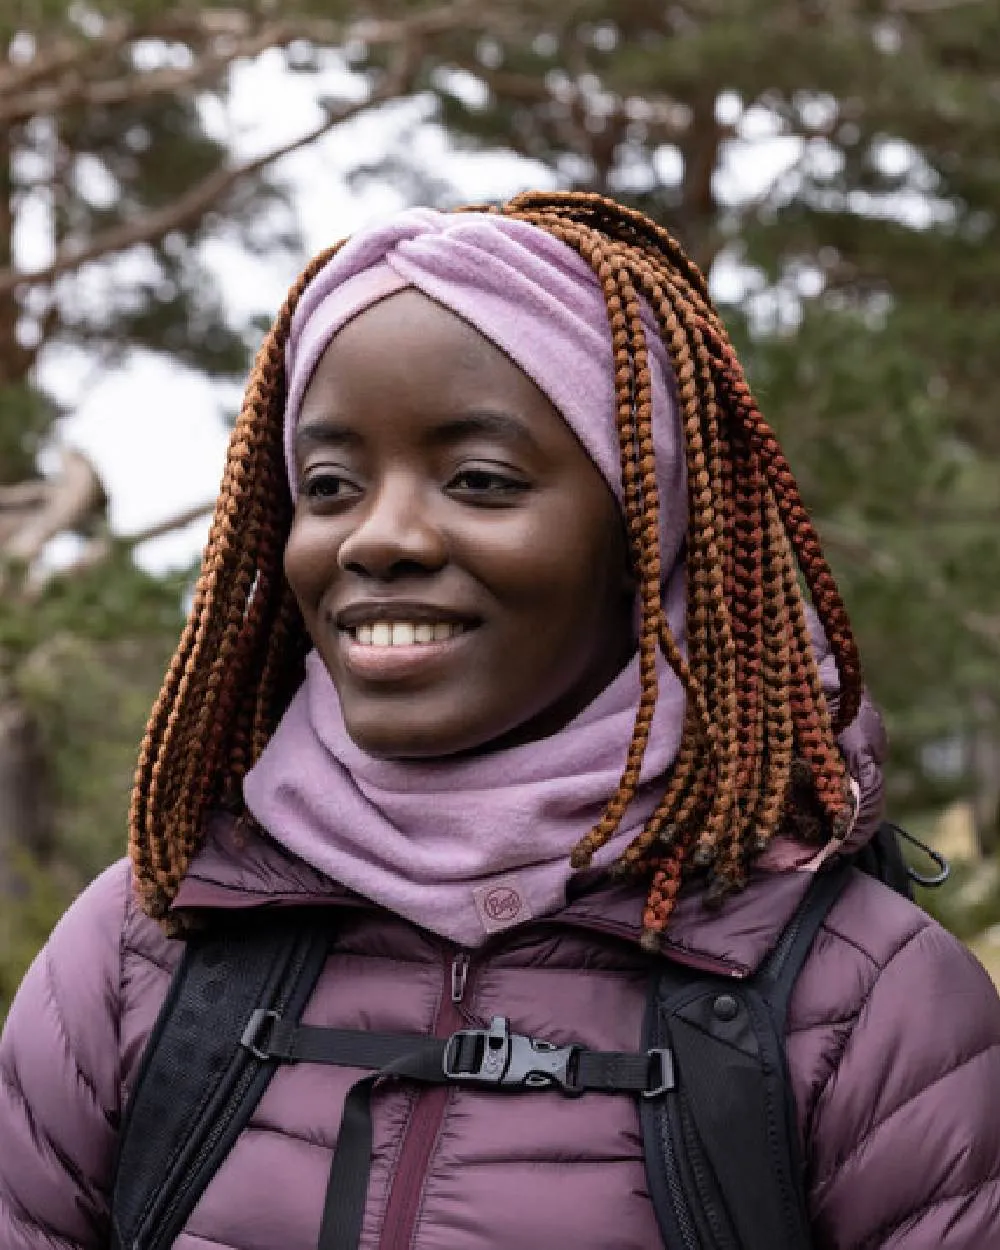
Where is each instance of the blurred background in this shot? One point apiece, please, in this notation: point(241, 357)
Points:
point(166, 168)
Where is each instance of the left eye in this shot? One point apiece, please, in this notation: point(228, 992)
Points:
point(486, 482)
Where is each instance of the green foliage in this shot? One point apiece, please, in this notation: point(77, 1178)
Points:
point(87, 656)
point(112, 600)
point(969, 902)
point(26, 920)
point(92, 701)
point(25, 418)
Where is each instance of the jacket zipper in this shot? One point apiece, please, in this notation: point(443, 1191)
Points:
point(672, 1172)
point(425, 1119)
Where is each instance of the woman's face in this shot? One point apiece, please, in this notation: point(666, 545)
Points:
point(459, 561)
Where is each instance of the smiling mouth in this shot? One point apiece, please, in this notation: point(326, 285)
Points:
point(380, 634)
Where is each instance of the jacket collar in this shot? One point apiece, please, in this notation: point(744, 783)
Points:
point(239, 868)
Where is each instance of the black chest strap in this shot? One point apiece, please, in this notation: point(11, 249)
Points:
point(491, 1058)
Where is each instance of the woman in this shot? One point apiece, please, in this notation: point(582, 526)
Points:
point(501, 477)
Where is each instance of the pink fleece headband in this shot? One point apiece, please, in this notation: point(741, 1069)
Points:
point(525, 291)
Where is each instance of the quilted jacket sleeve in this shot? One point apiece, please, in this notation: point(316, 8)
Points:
point(59, 1081)
point(905, 1138)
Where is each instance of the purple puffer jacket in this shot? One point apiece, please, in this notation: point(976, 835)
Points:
point(894, 1050)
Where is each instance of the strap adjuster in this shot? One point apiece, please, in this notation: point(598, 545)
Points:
point(259, 1031)
point(664, 1073)
point(499, 1058)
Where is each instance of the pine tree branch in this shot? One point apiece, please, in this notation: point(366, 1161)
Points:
point(70, 88)
point(64, 503)
point(73, 91)
point(669, 118)
point(216, 39)
point(160, 528)
point(909, 7)
point(188, 208)
point(64, 56)
point(857, 548)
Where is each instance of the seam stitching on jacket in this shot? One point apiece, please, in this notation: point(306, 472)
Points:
point(15, 1206)
point(64, 1032)
point(880, 971)
point(139, 952)
point(820, 1022)
point(870, 1132)
point(34, 1225)
point(877, 1239)
point(845, 1041)
point(834, 932)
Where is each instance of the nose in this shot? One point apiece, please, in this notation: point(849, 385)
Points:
point(394, 534)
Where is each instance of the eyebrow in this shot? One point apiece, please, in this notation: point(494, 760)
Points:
point(327, 432)
point(488, 421)
point(324, 432)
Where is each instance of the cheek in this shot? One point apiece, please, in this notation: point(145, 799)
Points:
point(309, 563)
point(566, 578)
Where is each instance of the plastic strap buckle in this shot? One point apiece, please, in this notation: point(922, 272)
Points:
point(510, 1060)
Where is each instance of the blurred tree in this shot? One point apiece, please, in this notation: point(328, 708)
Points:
point(855, 250)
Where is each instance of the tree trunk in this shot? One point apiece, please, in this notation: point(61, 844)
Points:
point(26, 823)
point(700, 149)
point(984, 761)
point(14, 359)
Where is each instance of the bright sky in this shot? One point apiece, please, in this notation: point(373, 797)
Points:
point(155, 431)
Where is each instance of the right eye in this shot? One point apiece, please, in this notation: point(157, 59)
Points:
point(325, 486)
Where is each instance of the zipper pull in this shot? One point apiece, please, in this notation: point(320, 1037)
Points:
point(459, 976)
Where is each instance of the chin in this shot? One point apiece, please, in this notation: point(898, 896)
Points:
point(389, 738)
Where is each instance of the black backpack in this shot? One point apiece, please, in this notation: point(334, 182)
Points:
point(716, 1110)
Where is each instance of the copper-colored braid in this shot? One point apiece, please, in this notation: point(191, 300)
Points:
point(758, 751)
point(200, 726)
point(822, 587)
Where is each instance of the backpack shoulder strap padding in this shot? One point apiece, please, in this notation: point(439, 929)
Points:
point(722, 1153)
point(197, 1087)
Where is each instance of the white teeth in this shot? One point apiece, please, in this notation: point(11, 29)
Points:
point(405, 633)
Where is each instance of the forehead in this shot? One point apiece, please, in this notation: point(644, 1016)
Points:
point(410, 358)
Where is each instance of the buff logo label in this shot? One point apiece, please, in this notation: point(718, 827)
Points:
point(501, 904)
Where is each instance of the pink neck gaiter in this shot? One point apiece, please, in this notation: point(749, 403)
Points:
point(468, 847)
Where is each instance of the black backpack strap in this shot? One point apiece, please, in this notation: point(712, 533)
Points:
point(197, 1086)
point(722, 1152)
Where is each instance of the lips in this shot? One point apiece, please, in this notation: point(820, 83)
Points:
point(372, 611)
point(393, 639)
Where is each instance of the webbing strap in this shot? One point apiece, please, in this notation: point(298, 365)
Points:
point(486, 1058)
point(493, 1056)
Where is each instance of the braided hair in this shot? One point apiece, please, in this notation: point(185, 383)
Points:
point(758, 752)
